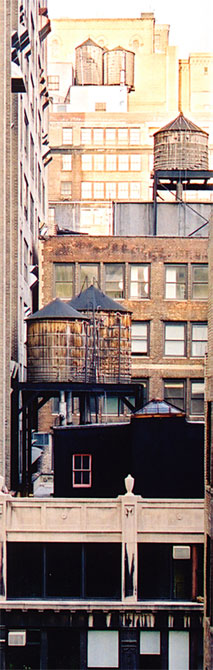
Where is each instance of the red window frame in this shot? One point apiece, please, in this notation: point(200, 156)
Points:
point(82, 469)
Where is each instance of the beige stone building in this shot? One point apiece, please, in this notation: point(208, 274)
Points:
point(103, 117)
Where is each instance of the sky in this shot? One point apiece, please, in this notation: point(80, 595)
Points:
point(191, 21)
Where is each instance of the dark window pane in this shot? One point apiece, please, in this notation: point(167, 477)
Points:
point(63, 569)
point(24, 569)
point(103, 570)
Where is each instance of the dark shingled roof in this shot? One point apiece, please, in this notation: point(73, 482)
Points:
point(57, 309)
point(181, 123)
point(92, 298)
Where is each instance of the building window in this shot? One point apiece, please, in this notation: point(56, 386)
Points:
point(39, 182)
point(110, 162)
point(64, 280)
point(98, 136)
point(140, 338)
point(66, 188)
point(67, 135)
point(135, 162)
point(86, 190)
point(175, 339)
point(174, 392)
point(197, 397)
point(114, 280)
point(199, 339)
point(51, 215)
point(100, 107)
point(111, 191)
point(26, 134)
point(98, 190)
point(103, 648)
point(31, 213)
point(86, 162)
point(135, 190)
point(123, 191)
point(26, 190)
point(145, 391)
point(139, 281)
point(53, 82)
point(86, 135)
point(123, 135)
point(26, 251)
point(89, 274)
point(66, 162)
point(176, 276)
point(31, 155)
point(81, 470)
point(123, 162)
point(99, 162)
point(134, 135)
point(199, 282)
point(112, 406)
point(110, 135)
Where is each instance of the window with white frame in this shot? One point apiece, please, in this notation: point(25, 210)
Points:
point(197, 397)
point(110, 135)
point(123, 135)
point(66, 162)
point(110, 191)
point(114, 280)
point(66, 188)
point(110, 162)
point(86, 162)
point(86, 189)
point(200, 281)
point(199, 339)
point(123, 162)
point(176, 282)
point(135, 190)
point(82, 470)
point(99, 162)
point(67, 135)
point(134, 135)
point(86, 135)
point(135, 162)
point(175, 392)
point(175, 339)
point(140, 338)
point(123, 190)
point(98, 136)
point(98, 189)
point(139, 281)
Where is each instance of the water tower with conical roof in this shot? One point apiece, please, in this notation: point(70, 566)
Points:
point(109, 336)
point(180, 160)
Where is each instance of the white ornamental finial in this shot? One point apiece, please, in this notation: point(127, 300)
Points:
point(129, 483)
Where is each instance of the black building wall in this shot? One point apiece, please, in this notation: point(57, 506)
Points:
point(163, 454)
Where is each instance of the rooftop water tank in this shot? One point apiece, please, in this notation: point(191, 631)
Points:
point(181, 145)
point(109, 336)
point(56, 344)
point(119, 67)
point(89, 64)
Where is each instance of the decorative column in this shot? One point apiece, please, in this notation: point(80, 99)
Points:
point(129, 543)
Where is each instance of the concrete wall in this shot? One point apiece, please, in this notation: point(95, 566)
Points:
point(173, 219)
